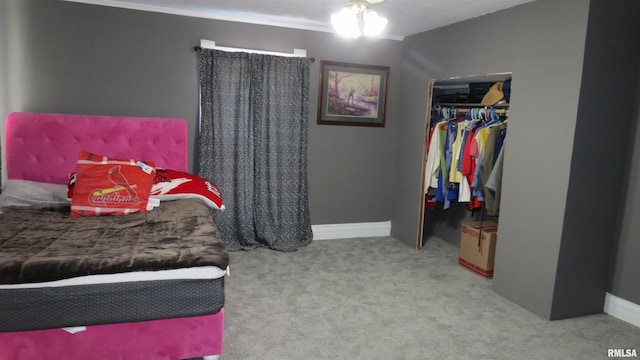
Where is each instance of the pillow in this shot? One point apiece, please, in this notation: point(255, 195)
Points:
point(26, 193)
point(105, 186)
point(174, 185)
point(71, 183)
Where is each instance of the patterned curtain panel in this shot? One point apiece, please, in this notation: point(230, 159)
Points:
point(253, 143)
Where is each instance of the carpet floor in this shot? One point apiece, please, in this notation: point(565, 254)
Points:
point(376, 298)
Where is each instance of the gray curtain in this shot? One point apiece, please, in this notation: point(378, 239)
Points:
point(252, 142)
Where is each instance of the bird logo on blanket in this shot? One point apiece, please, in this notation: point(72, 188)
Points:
point(122, 192)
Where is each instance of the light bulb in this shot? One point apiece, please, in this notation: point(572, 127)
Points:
point(373, 24)
point(356, 19)
point(346, 22)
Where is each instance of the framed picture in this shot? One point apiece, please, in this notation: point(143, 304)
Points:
point(352, 94)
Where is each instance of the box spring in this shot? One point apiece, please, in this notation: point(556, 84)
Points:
point(95, 304)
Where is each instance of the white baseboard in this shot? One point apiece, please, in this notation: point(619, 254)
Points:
point(353, 230)
point(622, 309)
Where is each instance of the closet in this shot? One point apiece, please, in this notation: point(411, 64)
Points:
point(467, 122)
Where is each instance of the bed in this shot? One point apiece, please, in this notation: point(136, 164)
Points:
point(92, 287)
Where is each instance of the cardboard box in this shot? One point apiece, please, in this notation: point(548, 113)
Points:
point(478, 247)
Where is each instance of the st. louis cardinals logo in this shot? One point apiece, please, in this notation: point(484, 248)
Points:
point(121, 193)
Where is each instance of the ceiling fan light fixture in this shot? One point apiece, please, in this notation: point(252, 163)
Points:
point(346, 22)
point(356, 19)
point(373, 23)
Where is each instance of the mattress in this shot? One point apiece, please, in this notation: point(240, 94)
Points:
point(95, 304)
point(109, 298)
point(201, 272)
point(38, 245)
point(167, 263)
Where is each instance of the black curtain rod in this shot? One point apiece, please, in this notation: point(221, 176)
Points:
point(199, 48)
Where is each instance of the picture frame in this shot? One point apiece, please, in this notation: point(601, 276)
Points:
point(352, 94)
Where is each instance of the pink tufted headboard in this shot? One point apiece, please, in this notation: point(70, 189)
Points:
point(44, 147)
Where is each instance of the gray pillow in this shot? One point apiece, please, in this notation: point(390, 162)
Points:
point(25, 193)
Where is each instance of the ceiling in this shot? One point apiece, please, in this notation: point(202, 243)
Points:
point(406, 17)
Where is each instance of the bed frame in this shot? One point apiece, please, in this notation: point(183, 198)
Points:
point(44, 147)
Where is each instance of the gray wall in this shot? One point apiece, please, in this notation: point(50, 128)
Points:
point(542, 44)
point(4, 82)
point(625, 269)
point(598, 167)
point(4, 34)
point(88, 59)
point(553, 243)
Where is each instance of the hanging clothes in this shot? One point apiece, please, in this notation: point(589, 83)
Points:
point(464, 188)
point(461, 156)
point(433, 160)
point(488, 162)
point(455, 175)
point(494, 184)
